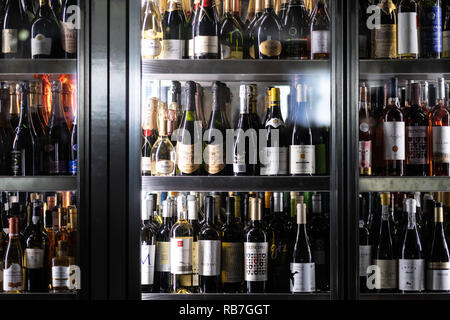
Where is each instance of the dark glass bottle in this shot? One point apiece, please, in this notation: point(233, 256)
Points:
point(16, 41)
point(430, 29)
point(446, 30)
point(231, 35)
point(206, 32)
point(320, 31)
point(162, 264)
point(193, 220)
point(5, 133)
point(267, 42)
point(70, 20)
point(250, 32)
point(296, 31)
point(174, 31)
point(365, 245)
point(408, 35)
point(148, 247)
point(56, 7)
point(45, 34)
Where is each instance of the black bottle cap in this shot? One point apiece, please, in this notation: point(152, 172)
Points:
point(15, 210)
point(392, 88)
point(439, 205)
point(432, 95)
point(230, 205)
point(190, 87)
point(210, 208)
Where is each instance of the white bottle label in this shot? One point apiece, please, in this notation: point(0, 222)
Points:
point(255, 261)
point(9, 40)
point(441, 144)
point(187, 158)
point(320, 41)
point(181, 255)
point(146, 164)
point(60, 276)
point(162, 263)
point(302, 159)
point(303, 277)
point(13, 278)
point(172, 49)
point(34, 258)
point(206, 44)
point(165, 167)
point(40, 45)
point(394, 140)
point(386, 278)
point(209, 257)
point(417, 144)
point(438, 280)
point(147, 264)
point(151, 47)
point(365, 259)
point(407, 33)
point(411, 274)
point(276, 160)
point(191, 47)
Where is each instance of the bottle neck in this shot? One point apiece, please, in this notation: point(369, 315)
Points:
point(44, 9)
point(24, 110)
point(57, 116)
point(385, 213)
point(269, 5)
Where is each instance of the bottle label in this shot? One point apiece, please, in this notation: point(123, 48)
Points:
point(411, 274)
point(191, 48)
point(417, 145)
point(206, 44)
point(18, 162)
point(195, 267)
point(320, 41)
point(276, 160)
point(446, 44)
point(394, 140)
point(34, 258)
point(384, 41)
point(365, 156)
point(165, 167)
point(60, 276)
point(438, 276)
point(162, 263)
point(386, 278)
point(214, 158)
point(365, 259)
point(431, 29)
point(69, 37)
point(172, 49)
point(270, 48)
point(146, 164)
point(147, 264)
point(407, 33)
point(231, 261)
point(41, 45)
point(303, 277)
point(13, 278)
point(151, 47)
point(73, 167)
point(185, 153)
point(209, 257)
point(441, 144)
point(255, 261)
point(181, 255)
point(302, 159)
point(274, 123)
point(9, 40)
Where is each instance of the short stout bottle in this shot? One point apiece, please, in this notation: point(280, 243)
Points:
point(60, 268)
point(411, 263)
point(192, 206)
point(174, 31)
point(384, 256)
point(163, 152)
point(408, 33)
point(384, 34)
point(206, 31)
point(267, 42)
point(320, 31)
point(366, 135)
point(231, 35)
point(13, 272)
point(162, 258)
point(45, 34)
point(232, 251)
point(148, 247)
point(438, 261)
point(302, 267)
point(296, 31)
point(256, 251)
point(365, 246)
point(430, 23)
point(209, 241)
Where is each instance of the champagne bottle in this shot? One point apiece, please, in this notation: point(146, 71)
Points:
point(70, 18)
point(14, 104)
point(174, 31)
point(162, 260)
point(267, 41)
point(320, 31)
point(250, 32)
point(296, 31)
point(173, 113)
point(13, 273)
point(163, 152)
point(16, 41)
point(150, 135)
point(206, 31)
point(231, 35)
point(152, 32)
point(408, 34)
point(45, 34)
point(384, 35)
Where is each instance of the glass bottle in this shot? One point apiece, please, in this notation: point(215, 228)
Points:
point(408, 33)
point(231, 35)
point(296, 31)
point(320, 31)
point(152, 32)
point(365, 134)
point(163, 152)
point(440, 146)
point(268, 38)
point(60, 269)
point(384, 35)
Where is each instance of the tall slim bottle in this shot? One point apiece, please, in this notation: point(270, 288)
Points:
point(206, 32)
point(408, 33)
point(231, 35)
point(320, 31)
point(162, 260)
point(384, 35)
point(174, 31)
point(365, 247)
point(192, 206)
point(148, 247)
point(69, 31)
point(430, 22)
point(45, 34)
point(250, 32)
point(440, 146)
point(366, 135)
point(16, 41)
point(13, 272)
point(73, 160)
point(152, 32)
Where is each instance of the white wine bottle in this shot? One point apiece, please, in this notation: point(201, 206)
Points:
point(152, 35)
point(163, 153)
point(13, 274)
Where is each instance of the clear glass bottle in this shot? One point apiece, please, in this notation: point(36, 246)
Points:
point(163, 153)
point(151, 38)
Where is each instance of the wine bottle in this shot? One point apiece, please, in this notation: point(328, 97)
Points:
point(163, 152)
point(411, 264)
point(13, 273)
point(446, 31)
point(302, 150)
point(173, 112)
point(56, 7)
point(209, 251)
point(152, 32)
point(430, 22)
point(57, 148)
point(191, 31)
point(28, 7)
point(14, 110)
point(440, 122)
point(237, 13)
point(5, 133)
point(250, 31)
point(148, 247)
point(45, 34)
point(231, 35)
point(181, 241)
point(245, 155)
point(150, 135)
point(256, 251)
point(193, 220)
point(25, 147)
point(206, 31)
point(38, 128)
point(73, 160)
point(69, 34)
point(384, 35)
point(267, 42)
point(60, 269)
point(408, 38)
point(417, 129)
point(320, 31)
point(282, 10)
point(162, 260)
point(275, 149)
point(302, 268)
point(365, 246)
point(189, 144)
point(16, 23)
point(384, 258)
point(250, 13)
point(295, 31)
point(174, 31)
point(394, 134)
point(438, 262)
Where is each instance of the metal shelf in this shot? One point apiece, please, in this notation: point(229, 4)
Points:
point(405, 296)
point(39, 296)
point(232, 70)
point(405, 184)
point(237, 296)
point(237, 184)
point(41, 66)
point(41, 183)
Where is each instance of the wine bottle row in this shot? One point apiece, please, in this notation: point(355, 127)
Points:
point(35, 140)
point(235, 243)
point(407, 136)
point(403, 242)
point(174, 30)
point(407, 29)
point(38, 242)
point(271, 146)
point(45, 31)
